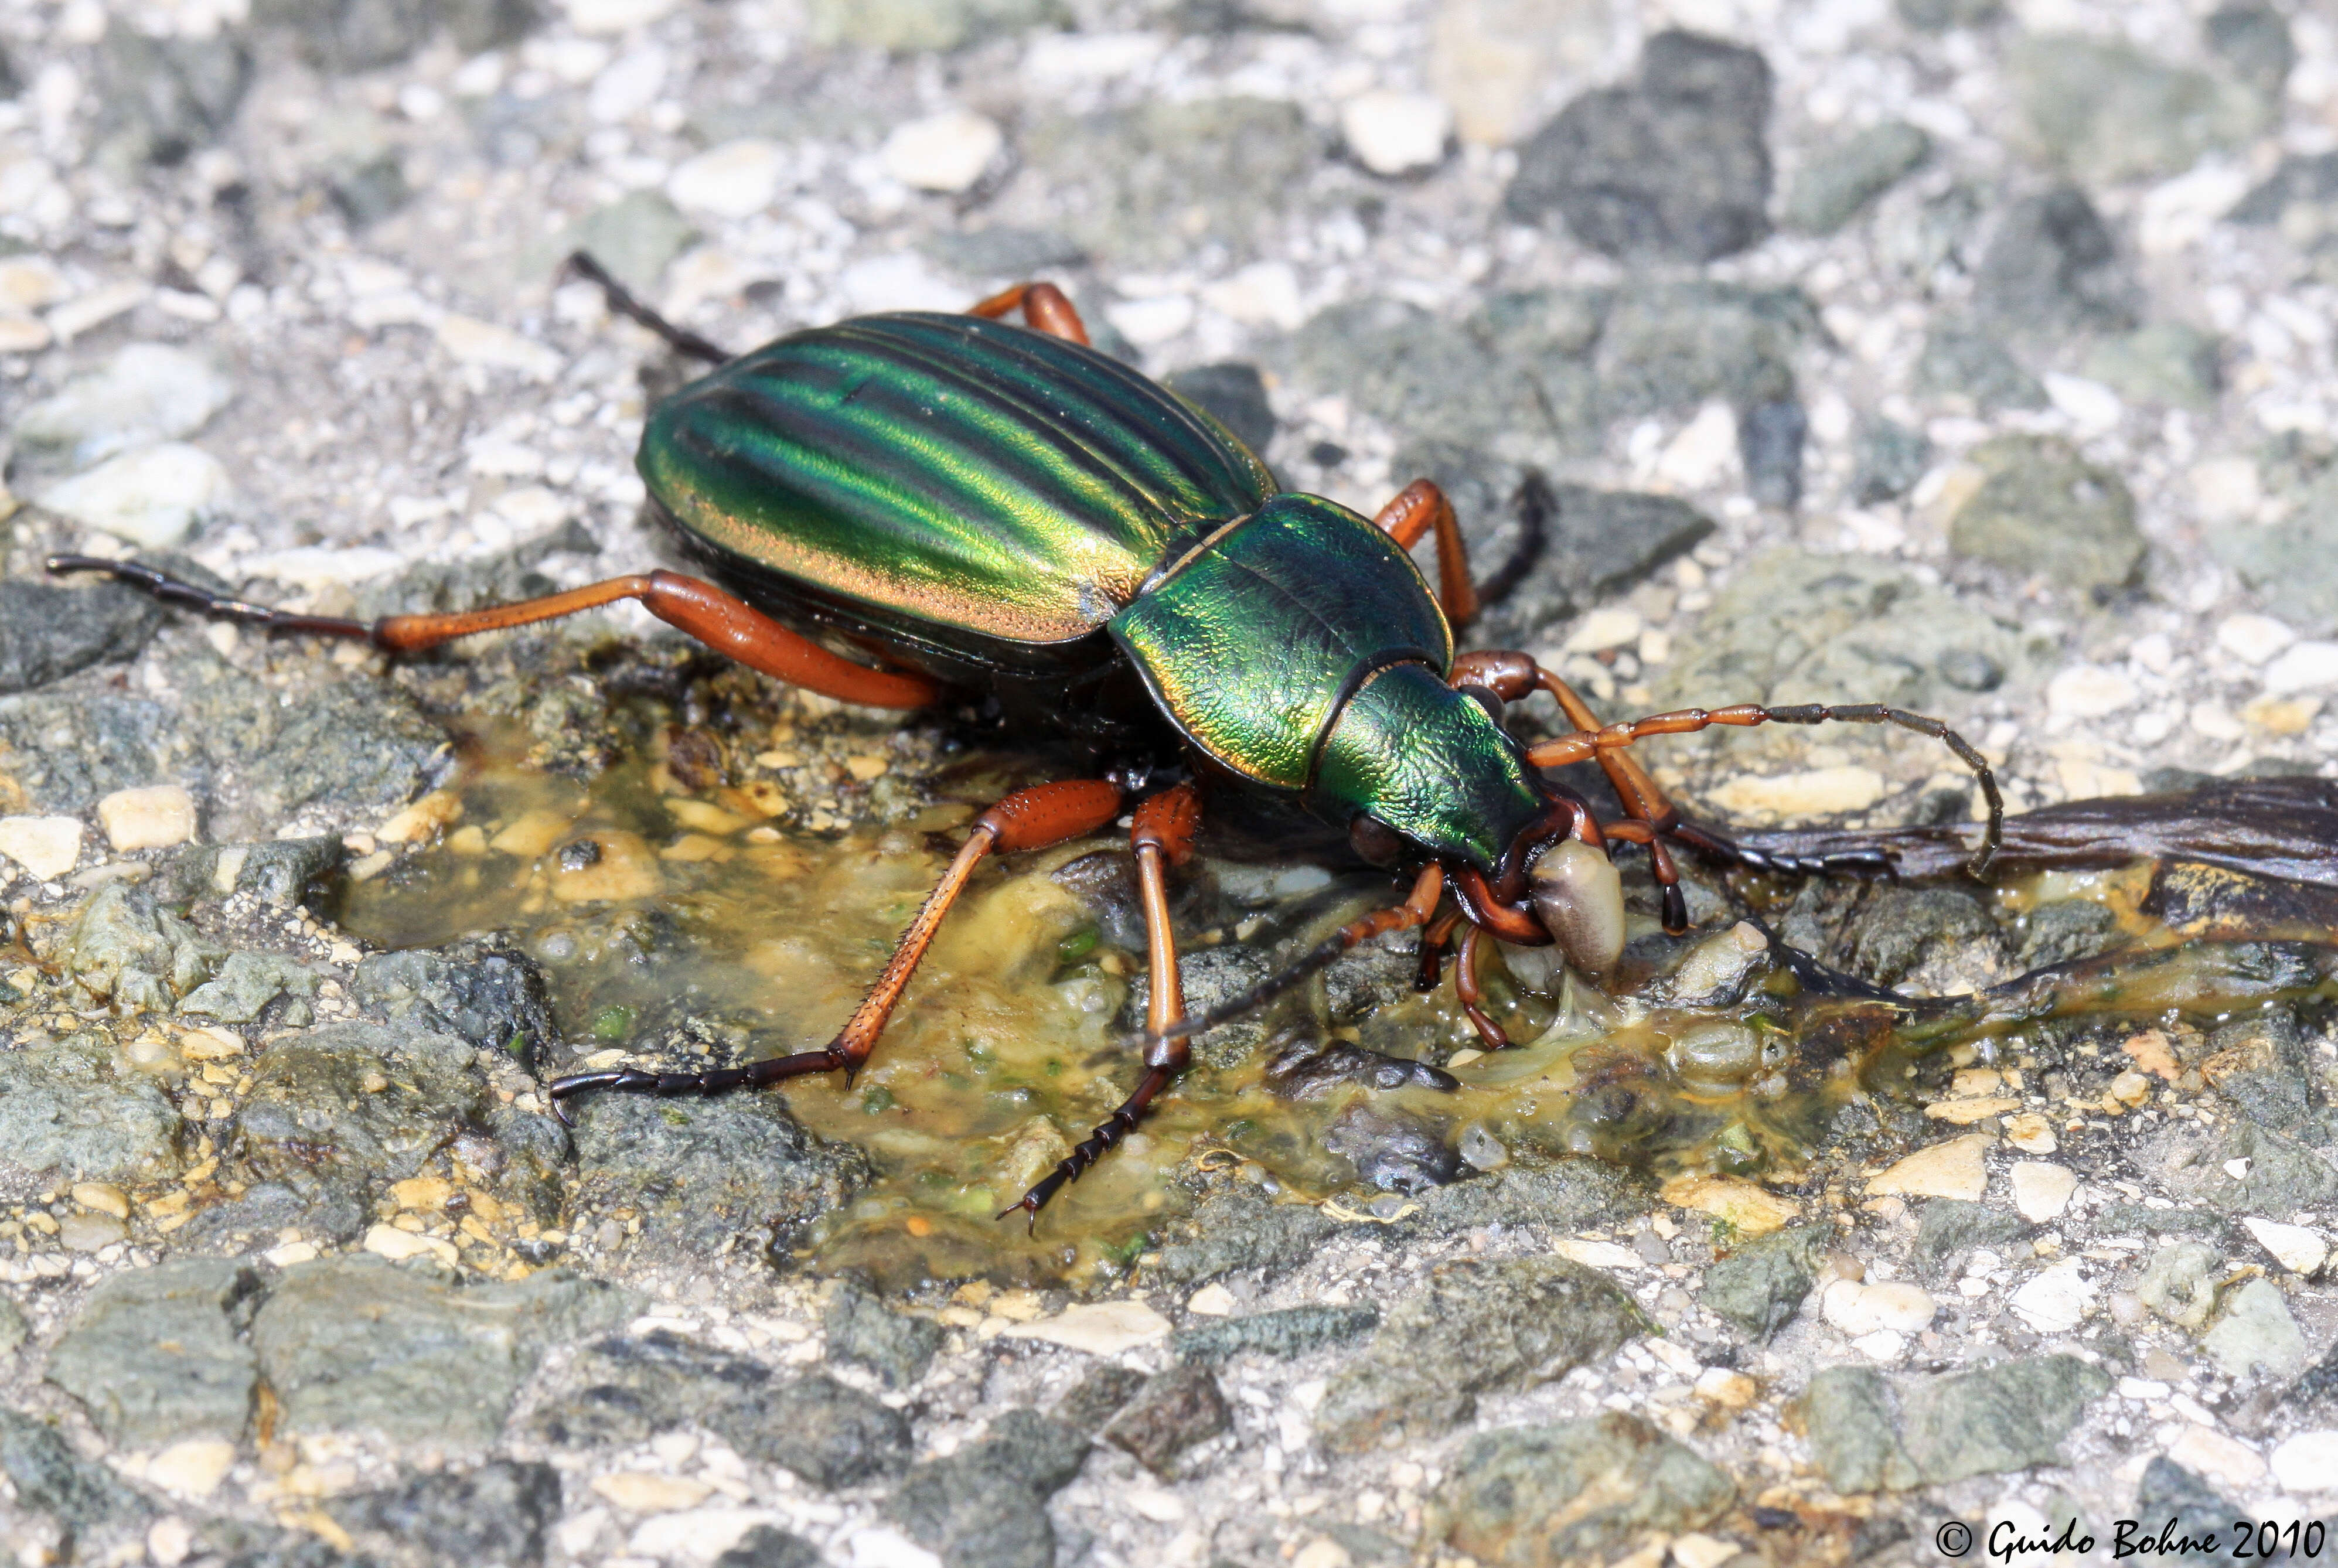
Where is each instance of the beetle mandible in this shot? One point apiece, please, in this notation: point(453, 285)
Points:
point(1001, 510)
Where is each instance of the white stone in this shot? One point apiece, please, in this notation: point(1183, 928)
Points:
point(327, 566)
point(1161, 1507)
point(144, 392)
point(1697, 1550)
point(2177, 213)
point(735, 179)
point(30, 282)
point(1150, 322)
point(695, 1535)
point(884, 1547)
point(1262, 294)
point(1597, 1254)
point(1704, 453)
point(1954, 1168)
point(397, 1245)
point(2252, 639)
point(605, 16)
point(2089, 692)
point(2210, 1455)
point(1494, 60)
point(471, 341)
point(647, 1491)
point(151, 497)
point(47, 846)
point(2299, 1250)
point(1611, 627)
point(1395, 133)
point(1815, 792)
point(945, 152)
point(154, 818)
point(192, 1468)
point(2307, 1463)
point(1098, 1328)
point(2042, 1190)
point(2212, 721)
point(170, 1540)
point(2305, 667)
point(24, 334)
point(2227, 489)
point(1322, 1553)
point(901, 281)
point(1860, 1309)
point(94, 309)
point(2056, 1299)
point(628, 86)
point(1212, 1302)
point(2092, 408)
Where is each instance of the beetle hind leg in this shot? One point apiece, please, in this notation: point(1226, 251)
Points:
point(1033, 818)
point(1161, 835)
point(1045, 308)
point(621, 302)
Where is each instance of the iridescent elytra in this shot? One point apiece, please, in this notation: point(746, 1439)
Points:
point(972, 509)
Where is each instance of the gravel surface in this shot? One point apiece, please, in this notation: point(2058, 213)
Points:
point(1970, 358)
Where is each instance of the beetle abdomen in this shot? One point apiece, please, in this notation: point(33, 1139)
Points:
point(962, 471)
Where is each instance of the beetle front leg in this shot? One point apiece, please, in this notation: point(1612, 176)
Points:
point(1162, 835)
point(1045, 308)
point(1033, 818)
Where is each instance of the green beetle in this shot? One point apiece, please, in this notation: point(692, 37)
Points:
point(1000, 512)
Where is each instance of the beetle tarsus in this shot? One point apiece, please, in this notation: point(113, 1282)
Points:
point(680, 339)
point(718, 1081)
point(170, 590)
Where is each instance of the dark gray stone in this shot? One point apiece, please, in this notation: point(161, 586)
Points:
point(1761, 1285)
point(1962, 361)
point(491, 995)
point(830, 1435)
point(51, 1478)
point(1575, 1491)
point(246, 984)
point(984, 1506)
point(131, 952)
point(1869, 1432)
point(1839, 179)
point(2284, 1175)
point(915, 26)
point(345, 1109)
point(2044, 511)
point(864, 1331)
point(1477, 1326)
point(1901, 929)
point(700, 1171)
point(2052, 267)
point(1890, 459)
point(2168, 1492)
point(78, 1110)
point(1672, 165)
point(2065, 930)
point(2291, 565)
point(239, 1544)
point(1236, 1230)
point(1314, 1070)
point(1147, 183)
point(343, 37)
point(2109, 113)
point(156, 1355)
point(1430, 379)
point(769, 1546)
point(1940, 16)
point(1770, 438)
point(1671, 346)
point(1566, 1194)
point(163, 98)
point(2253, 42)
point(627, 1388)
point(2165, 363)
point(2309, 179)
point(354, 1344)
point(1175, 1411)
point(1393, 1150)
point(2260, 1064)
point(1292, 1332)
point(1004, 251)
point(368, 192)
point(48, 631)
point(1948, 1228)
point(14, 1329)
point(1233, 393)
point(634, 237)
point(278, 871)
point(496, 1516)
point(1097, 1396)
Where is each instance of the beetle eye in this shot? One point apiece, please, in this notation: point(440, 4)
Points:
point(1375, 840)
